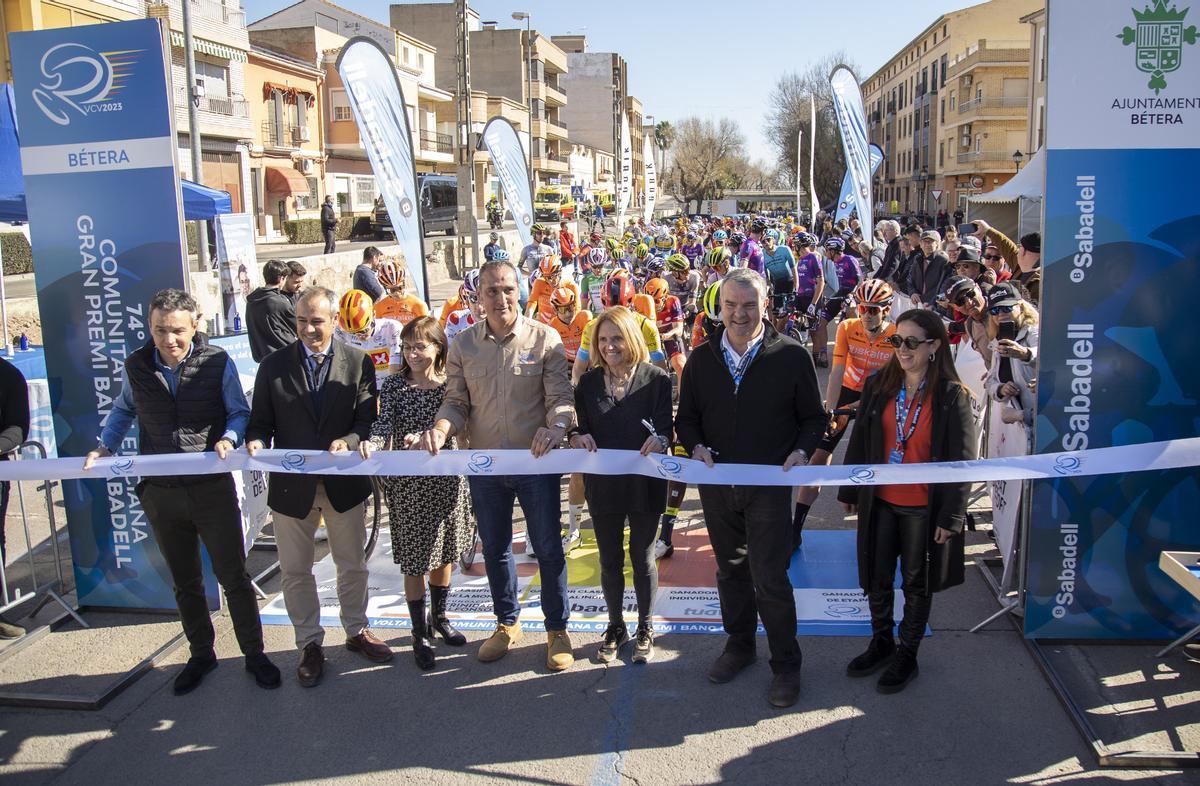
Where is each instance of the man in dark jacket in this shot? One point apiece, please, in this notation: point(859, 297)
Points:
point(329, 222)
point(930, 269)
point(366, 275)
point(14, 429)
point(750, 396)
point(187, 398)
point(270, 314)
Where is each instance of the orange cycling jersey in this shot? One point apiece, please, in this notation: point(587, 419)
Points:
point(402, 308)
point(572, 333)
point(539, 298)
point(452, 304)
point(644, 305)
point(861, 356)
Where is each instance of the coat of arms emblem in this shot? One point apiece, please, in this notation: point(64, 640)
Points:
point(1159, 38)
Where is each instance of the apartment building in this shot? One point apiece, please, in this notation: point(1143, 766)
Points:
point(1037, 81)
point(315, 31)
point(907, 112)
point(287, 154)
point(22, 15)
point(592, 170)
point(637, 122)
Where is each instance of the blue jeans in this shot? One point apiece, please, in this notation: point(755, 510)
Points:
point(540, 498)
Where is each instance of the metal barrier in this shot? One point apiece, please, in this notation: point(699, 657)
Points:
point(48, 591)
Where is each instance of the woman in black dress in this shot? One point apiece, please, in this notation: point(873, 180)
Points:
point(914, 410)
point(614, 401)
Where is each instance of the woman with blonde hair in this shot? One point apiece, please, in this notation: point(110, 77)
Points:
point(624, 402)
point(1012, 328)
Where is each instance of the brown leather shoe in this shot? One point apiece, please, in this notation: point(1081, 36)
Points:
point(312, 665)
point(369, 647)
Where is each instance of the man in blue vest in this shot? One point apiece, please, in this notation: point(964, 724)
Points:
point(187, 398)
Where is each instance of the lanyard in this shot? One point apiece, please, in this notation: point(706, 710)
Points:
point(902, 415)
point(738, 370)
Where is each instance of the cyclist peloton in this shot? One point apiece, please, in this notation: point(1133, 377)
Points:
point(849, 273)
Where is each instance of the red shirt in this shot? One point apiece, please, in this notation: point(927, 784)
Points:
point(917, 451)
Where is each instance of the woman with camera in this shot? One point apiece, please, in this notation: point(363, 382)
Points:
point(1012, 376)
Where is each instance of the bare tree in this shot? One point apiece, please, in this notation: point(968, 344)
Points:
point(789, 113)
point(707, 159)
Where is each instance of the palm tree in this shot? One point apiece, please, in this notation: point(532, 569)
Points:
point(664, 137)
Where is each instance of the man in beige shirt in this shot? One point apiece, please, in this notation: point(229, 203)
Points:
point(507, 386)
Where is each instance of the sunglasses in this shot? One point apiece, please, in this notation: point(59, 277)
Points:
point(911, 342)
point(959, 302)
point(870, 309)
point(998, 310)
point(992, 257)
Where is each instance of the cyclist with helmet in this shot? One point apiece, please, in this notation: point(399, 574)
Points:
point(779, 267)
point(734, 244)
point(751, 252)
point(397, 304)
point(531, 257)
point(549, 279)
point(692, 249)
point(655, 267)
point(848, 274)
point(718, 239)
point(860, 349)
point(595, 273)
point(465, 296)
point(569, 321)
point(379, 337)
point(470, 311)
point(489, 251)
point(718, 262)
point(618, 291)
point(684, 284)
point(664, 245)
point(810, 273)
point(669, 319)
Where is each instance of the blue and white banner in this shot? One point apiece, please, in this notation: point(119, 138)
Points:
point(375, 97)
point(625, 184)
point(1117, 364)
point(98, 151)
point(504, 147)
point(846, 201)
point(852, 124)
point(1176, 454)
point(814, 206)
point(238, 261)
point(651, 193)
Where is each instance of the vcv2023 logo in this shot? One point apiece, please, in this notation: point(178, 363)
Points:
point(77, 79)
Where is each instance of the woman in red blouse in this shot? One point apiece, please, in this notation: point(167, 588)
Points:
point(915, 409)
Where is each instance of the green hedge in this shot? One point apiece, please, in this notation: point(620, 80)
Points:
point(17, 256)
point(306, 231)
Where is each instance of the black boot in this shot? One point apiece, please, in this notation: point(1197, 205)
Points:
point(882, 647)
point(422, 639)
point(902, 671)
point(438, 621)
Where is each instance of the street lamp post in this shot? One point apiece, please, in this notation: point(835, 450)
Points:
point(1018, 157)
point(526, 17)
point(923, 179)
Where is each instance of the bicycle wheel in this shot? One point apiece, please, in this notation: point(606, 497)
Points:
point(467, 558)
point(374, 513)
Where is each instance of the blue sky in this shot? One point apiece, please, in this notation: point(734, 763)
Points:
point(712, 59)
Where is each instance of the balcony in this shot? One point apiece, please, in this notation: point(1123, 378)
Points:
point(985, 105)
point(985, 156)
point(228, 106)
point(218, 11)
point(555, 96)
point(284, 136)
point(552, 162)
point(433, 142)
point(548, 129)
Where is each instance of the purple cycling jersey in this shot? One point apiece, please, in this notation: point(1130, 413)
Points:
point(750, 255)
point(808, 273)
point(849, 272)
point(693, 252)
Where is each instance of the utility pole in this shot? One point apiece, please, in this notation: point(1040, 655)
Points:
point(466, 143)
point(194, 93)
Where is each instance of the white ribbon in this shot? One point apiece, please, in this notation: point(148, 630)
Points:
point(1173, 454)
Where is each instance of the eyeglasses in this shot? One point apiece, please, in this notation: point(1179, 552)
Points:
point(998, 310)
point(961, 301)
point(867, 309)
point(992, 257)
point(417, 349)
point(911, 342)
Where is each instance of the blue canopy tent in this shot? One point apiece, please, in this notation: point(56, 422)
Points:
point(200, 203)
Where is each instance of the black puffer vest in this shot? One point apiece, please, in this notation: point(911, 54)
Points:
point(193, 419)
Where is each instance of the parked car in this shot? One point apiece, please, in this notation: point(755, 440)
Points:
point(439, 208)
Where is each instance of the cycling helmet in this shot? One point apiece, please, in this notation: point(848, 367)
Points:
point(494, 236)
point(389, 274)
point(613, 246)
point(720, 235)
point(641, 252)
point(664, 242)
point(677, 263)
point(620, 273)
point(717, 256)
point(595, 259)
point(550, 265)
point(874, 292)
point(758, 227)
point(355, 311)
point(595, 238)
point(538, 228)
point(655, 266)
point(712, 302)
point(835, 243)
point(499, 255)
point(657, 289)
point(691, 236)
point(806, 240)
point(470, 283)
point(737, 238)
point(618, 291)
point(773, 234)
point(563, 297)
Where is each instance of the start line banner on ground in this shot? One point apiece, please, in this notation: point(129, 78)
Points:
point(1176, 454)
point(1117, 363)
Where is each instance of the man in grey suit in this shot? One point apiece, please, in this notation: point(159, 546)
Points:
point(318, 394)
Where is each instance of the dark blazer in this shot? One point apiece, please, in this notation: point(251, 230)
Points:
point(283, 416)
point(953, 439)
point(929, 276)
point(618, 425)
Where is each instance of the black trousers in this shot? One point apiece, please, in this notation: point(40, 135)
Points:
point(899, 535)
point(330, 236)
point(610, 540)
point(750, 529)
point(181, 518)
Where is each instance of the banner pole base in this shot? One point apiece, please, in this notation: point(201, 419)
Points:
point(1191, 634)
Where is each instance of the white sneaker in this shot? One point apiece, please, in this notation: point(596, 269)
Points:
point(571, 540)
point(662, 549)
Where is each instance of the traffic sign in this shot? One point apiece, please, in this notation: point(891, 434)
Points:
point(937, 195)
